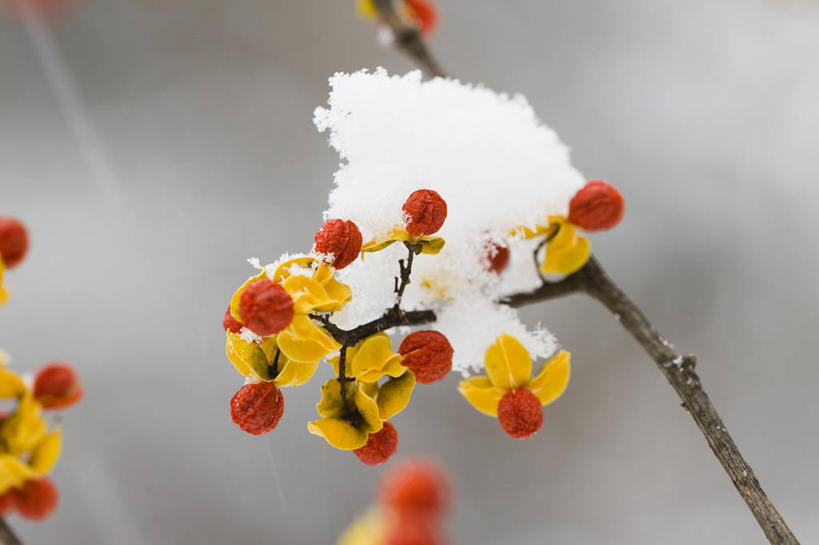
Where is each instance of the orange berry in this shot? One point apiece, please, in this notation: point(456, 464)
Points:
point(13, 241)
point(424, 15)
point(497, 257)
point(230, 323)
point(424, 212)
point(265, 307)
point(37, 499)
point(56, 386)
point(257, 408)
point(415, 486)
point(340, 240)
point(428, 354)
point(520, 413)
point(597, 206)
point(379, 446)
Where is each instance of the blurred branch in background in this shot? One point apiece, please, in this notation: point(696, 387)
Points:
point(593, 281)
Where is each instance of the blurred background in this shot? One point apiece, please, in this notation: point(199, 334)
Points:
point(152, 146)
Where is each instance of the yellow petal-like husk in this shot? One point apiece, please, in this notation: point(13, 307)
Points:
point(13, 472)
point(46, 453)
point(394, 395)
point(432, 245)
point(339, 433)
point(552, 379)
point(482, 394)
point(567, 251)
point(368, 529)
point(247, 357)
point(25, 428)
point(307, 294)
point(4, 294)
point(331, 405)
point(11, 384)
point(283, 271)
point(304, 341)
point(508, 363)
point(368, 409)
point(374, 358)
point(295, 373)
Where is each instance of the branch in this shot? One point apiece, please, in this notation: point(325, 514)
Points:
point(7, 535)
point(407, 38)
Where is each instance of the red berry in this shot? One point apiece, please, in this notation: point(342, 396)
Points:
point(7, 502)
point(520, 413)
point(379, 447)
point(257, 408)
point(56, 386)
point(37, 499)
point(230, 323)
point(597, 206)
point(415, 486)
point(339, 239)
point(424, 212)
point(265, 307)
point(13, 241)
point(428, 354)
point(497, 257)
point(424, 14)
point(413, 528)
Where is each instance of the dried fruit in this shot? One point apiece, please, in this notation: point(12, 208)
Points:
point(265, 307)
point(56, 386)
point(415, 486)
point(424, 14)
point(497, 257)
point(13, 241)
point(597, 206)
point(379, 446)
point(520, 413)
point(37, 499)
point(424, 212)
point(340, 240)
point(428, 354)
point(230, 323)
point(257, 408)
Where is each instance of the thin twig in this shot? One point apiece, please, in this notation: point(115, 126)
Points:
point(678, 370)
point(7, 535)
point(407, 38)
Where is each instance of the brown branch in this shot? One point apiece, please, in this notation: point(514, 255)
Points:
point(7, 535)
point(592, 280)
point(407, 38)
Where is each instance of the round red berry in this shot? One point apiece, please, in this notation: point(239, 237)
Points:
point(56, 386)
point(597, 206)
point(37, 499)
point(257, 408)
point(230, 323)
point(424, 14)
point(497, 257)
point(424, 212)
point(13, 241)
point(520, 413)
point(339, 240)
point(427, 354)
point(417, 486)
point(7, 502)
point(265, 307)
point(379, 446)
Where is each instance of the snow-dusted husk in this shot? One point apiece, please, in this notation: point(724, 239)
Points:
point(493, 161)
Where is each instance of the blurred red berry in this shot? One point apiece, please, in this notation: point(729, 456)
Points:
point(265, 307)
point(56, 386)
point(428, 354)
point(497, 257)
point(424, 212)
point(7, 502)
point(520, 413)
point(340, 240)
point(424, 15)
point(37, 499)
point(47, 8)
point(379, 446)
point(13, 241)
point(230, 323)
point(257, 408)
point(416, 486)
point(597, 206)
point(414, 528)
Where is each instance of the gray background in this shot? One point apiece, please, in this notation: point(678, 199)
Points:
point(185, 145)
